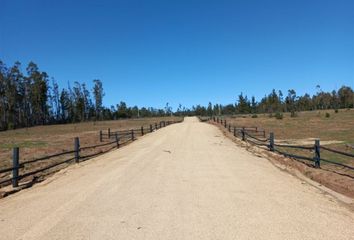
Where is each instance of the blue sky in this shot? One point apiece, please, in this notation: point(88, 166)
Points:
point(191, 52)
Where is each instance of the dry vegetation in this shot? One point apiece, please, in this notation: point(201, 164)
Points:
point(40, 141)
point(335, 131)
point(313, 124)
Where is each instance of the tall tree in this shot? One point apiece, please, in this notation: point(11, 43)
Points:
point(210, 109)
point(98, 95)
point(346, 97)
point(39, 93)
point(56, 99)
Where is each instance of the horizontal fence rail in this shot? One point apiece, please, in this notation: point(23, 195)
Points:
point(115, 139)
point(257, 137)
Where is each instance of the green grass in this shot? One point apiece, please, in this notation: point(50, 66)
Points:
point(24, 144)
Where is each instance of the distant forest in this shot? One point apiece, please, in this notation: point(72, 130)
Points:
point(277, 102)
point(33, 98)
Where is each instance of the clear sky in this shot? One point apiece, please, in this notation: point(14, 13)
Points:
point(191, 52)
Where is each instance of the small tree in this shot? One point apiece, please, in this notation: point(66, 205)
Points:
point(278, 115)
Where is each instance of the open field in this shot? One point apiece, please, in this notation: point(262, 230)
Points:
point(336, 132)
point(40, 141)
point(313, 124)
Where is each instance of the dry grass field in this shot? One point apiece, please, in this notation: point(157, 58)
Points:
point(335, 131)
point(40, 141)
point(313, 124)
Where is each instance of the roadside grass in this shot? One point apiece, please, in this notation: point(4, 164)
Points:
point(312, 124)
point(336, 131)
point(24, 144)
point(40, 141)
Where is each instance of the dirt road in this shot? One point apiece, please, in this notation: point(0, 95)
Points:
point(185, 181)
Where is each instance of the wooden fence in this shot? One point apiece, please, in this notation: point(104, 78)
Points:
point(113, 139)
point(258, 137)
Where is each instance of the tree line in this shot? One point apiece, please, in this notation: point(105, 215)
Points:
point(277, 102)
point(32, 98)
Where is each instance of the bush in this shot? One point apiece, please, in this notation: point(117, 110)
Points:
point(327, 115)
point(293, 114)
point(254, 116)
point(10, 126)
point(336, 110)
point(279, 115)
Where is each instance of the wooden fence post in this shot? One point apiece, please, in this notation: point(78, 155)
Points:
point(132, 133)
point(142, 131)
point(160, 125)
point(224, 123)
point(217, 119)
point(15, 166)
point(221, 121)
point(151, 128)
point(155, 126)
point(317, 154)
point(271, 142)
point(77, 149)
point(234, 131)
point(264, 133)
point(229, 127)
point(100, 135)
point(117, 139)
point(109, 133)
point(243, 135)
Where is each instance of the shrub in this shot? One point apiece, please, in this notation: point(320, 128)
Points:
point(336, 110)
point(279, 115)
point(327, 115)
point(254, 116)
point(10, 126)
point(293, 114)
